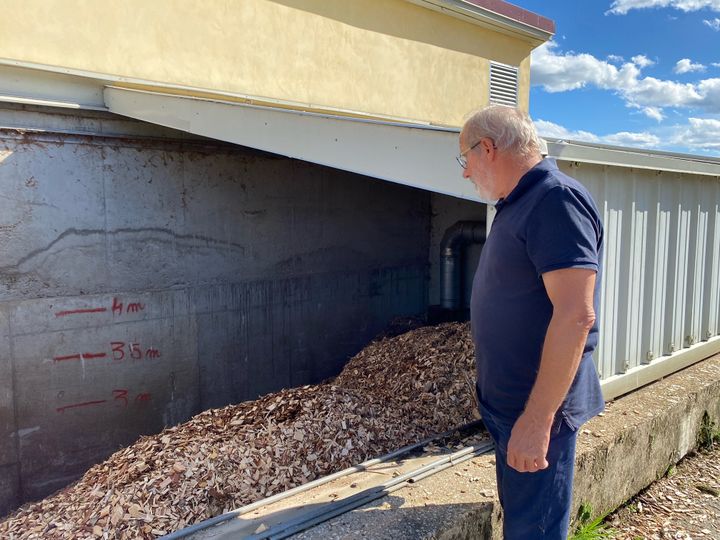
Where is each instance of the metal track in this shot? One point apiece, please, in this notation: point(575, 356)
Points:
point(336, 508)
point(344, 505)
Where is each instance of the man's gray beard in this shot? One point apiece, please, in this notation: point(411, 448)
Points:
point(484, 198)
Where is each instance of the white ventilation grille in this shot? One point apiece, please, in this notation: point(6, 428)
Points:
point(503, 84)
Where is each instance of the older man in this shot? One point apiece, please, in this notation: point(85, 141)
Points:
point(533, 312)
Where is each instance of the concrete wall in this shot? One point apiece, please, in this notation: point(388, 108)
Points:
point(145, 278)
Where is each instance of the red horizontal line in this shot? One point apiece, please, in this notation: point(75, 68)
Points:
point(85, 356)
point(76, 311)
point(85, 404)
point(90, 356)
point(69, 357)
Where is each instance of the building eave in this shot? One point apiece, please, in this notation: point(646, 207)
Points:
point(496, 15)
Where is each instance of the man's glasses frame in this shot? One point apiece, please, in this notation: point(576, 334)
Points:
point(462, 158)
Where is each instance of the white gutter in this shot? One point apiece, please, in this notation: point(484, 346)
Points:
point(488, 19)
point(636, 158)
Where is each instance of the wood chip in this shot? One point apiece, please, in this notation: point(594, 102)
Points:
point(398, 390)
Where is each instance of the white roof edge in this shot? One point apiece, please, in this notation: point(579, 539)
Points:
point(638, 158)
point(484, 17)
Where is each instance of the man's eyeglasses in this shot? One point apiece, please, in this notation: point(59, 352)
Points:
point(462, 158)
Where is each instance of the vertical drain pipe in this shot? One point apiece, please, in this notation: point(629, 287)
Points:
point(451, 250)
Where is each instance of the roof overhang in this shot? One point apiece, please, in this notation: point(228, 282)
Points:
point(417, 156)
point(496, 15)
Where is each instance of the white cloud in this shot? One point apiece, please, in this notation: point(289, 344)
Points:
point(642, 61)
point(687, 66)
point(615, 59)
point(556, 131)
point(546, 128)
point(715, 64)
point(699, 134)
point(637, 140)
point(621, 7)
point(653, 112)
point(561, 72)
point(714, 24)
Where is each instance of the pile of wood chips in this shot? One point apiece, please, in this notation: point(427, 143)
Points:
point(395, 392)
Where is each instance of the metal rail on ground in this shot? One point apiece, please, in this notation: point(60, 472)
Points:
point(206, 524)
point(336, 508)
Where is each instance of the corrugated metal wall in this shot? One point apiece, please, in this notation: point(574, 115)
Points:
point(661, 286)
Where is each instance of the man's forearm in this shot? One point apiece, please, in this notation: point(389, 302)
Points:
point(571, 293)
point(564, 343)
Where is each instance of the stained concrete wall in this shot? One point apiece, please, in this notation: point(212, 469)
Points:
point(147, 276)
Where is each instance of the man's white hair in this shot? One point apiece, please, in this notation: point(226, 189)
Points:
point(508, 127)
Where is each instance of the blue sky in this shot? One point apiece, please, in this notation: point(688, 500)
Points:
point(641, 73)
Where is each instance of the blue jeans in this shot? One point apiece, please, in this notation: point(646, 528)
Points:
point(535, 505)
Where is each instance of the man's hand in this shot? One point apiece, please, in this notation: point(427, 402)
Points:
point(528, 445)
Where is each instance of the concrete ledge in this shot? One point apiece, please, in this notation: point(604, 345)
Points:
point(643, 433)
point(620, 453)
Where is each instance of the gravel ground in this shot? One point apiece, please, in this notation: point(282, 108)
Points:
point(683, 505)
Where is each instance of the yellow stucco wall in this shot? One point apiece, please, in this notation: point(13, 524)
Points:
point(381, 57)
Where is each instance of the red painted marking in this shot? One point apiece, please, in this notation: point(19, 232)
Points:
point(86, 356)
point(90, 356)
point(117, 307)
point(77, 311)
point(143, 397)
point(121, 394)
point(135, 307)
point(135, 352)
point(85, 404)
point(118, 347)
point(69, 357)
point(132, 307)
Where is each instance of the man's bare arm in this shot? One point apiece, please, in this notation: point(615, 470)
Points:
point(571, 292)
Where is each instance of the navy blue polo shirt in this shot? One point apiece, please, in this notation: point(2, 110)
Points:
point(548, 222)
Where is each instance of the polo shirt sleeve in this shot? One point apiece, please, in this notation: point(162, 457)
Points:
point(563, 231)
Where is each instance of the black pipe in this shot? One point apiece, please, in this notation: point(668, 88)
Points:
point(451, 250)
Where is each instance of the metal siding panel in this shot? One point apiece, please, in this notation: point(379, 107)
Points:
point(683, 264)
point(622, 214)
point(697, 285)
point(711, 310)
point(671, 196)
point(636, 275)
point(652, 295)
point(660, 300)
point(608, 301)
point(661, 282)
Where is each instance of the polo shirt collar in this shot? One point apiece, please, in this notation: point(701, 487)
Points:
point(528, 180)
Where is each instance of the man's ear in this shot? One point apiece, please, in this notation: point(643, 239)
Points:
point(487, 146)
